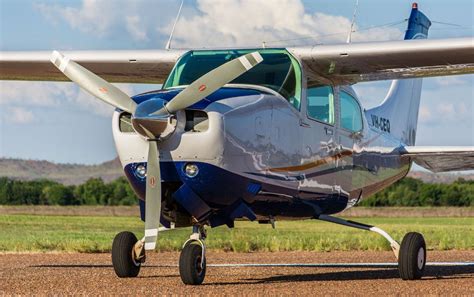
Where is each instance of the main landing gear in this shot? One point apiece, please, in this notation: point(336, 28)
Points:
point(128, 254)
point(411, 254)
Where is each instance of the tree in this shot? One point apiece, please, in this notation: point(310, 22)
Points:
point(92, 192)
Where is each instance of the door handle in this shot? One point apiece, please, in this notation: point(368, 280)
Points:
point(328, 131)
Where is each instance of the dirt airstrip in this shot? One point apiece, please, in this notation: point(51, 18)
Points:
point(93, 274)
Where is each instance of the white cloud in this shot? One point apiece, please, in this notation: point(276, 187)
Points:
point(248, 23)
point(425, 115)
point(211, 23)
point(29, 93)
point(452, 80)
point(18, 115)
point(104, 18)
point(21, 94)
point(135, 28)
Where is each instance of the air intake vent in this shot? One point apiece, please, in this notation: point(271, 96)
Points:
point(196, 121)
point(125, 123)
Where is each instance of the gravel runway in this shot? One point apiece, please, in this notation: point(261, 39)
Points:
point(92, 274)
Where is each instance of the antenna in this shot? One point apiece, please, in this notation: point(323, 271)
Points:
point(349, 37)
point(168, 44)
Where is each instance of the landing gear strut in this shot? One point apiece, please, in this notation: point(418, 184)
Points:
point(411, 254)
point(192, 261)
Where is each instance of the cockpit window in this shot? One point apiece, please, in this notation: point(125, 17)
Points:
point(278, 71)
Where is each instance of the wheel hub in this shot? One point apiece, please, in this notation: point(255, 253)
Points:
point(421, 258)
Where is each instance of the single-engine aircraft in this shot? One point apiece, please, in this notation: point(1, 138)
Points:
point(264, 134)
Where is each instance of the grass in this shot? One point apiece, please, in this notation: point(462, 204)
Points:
point(30, 233)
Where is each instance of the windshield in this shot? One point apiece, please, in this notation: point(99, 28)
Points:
point(278, 71)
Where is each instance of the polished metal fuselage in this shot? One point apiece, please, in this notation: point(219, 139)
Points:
point(297, 161)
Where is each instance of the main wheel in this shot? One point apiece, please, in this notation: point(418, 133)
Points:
point(192, 267)
point(412, 257)
point(122, 255)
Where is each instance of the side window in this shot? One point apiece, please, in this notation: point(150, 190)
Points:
point(351, 115)
point(321, 104)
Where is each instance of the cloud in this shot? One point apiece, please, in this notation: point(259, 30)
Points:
point(210, 23)
point(18, 115)
point(22, 94)
point(453, 80)
point(137, 19)
point(435, 109)
point(216, 23)
point(29, 93)
point(135, 28)
point(425, 115)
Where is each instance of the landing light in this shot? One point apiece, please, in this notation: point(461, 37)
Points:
point(191, 170)
point(141, 171)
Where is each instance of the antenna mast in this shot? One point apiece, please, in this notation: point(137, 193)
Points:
point(168, 44)
point(349, 37)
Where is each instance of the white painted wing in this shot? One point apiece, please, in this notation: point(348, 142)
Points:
point(357, 62)
point(440, 159)
point(135, 66)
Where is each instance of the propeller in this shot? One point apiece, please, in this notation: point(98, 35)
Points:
point(93, 84)
point(153, 189)
point(152, 119)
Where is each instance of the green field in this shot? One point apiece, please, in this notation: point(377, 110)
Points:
point(23, 233)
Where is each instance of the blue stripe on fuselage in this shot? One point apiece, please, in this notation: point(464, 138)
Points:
point(222, 93)
point(220, 189)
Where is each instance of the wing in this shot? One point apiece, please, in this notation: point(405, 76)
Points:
point(137, 66)
point(439, 159)
point(357, 62)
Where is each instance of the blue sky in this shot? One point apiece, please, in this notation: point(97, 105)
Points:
point(60, 123)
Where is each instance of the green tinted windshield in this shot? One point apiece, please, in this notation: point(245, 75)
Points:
point(278, 71)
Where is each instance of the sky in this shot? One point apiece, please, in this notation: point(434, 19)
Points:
point(58, 122)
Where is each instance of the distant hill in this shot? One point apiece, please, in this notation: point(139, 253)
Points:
point(69, 174)
point(73, 174)
point(440, 178)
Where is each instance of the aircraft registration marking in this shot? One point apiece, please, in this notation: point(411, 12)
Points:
point(380, 123)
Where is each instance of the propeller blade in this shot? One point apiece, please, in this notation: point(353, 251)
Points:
point(92, 83)
point(211, 82)
point(153, 196)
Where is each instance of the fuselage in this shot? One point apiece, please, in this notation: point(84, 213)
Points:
point(260, 155)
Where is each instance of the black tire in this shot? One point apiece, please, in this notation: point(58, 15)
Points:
point(122, 255)
point(412, 257)
point(190, 268)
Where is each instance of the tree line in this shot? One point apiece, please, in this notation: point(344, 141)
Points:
point(46, 192)
point(406, 192)
point(414, 192)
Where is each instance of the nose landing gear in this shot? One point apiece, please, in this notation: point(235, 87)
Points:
point(124, 259)
point(192, 261)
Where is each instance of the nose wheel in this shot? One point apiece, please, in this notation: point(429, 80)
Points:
point(192, 260)
point(125, 263)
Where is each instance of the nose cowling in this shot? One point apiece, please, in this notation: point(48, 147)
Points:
point(153, 126)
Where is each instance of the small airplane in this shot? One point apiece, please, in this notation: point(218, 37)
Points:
point(264, 134)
